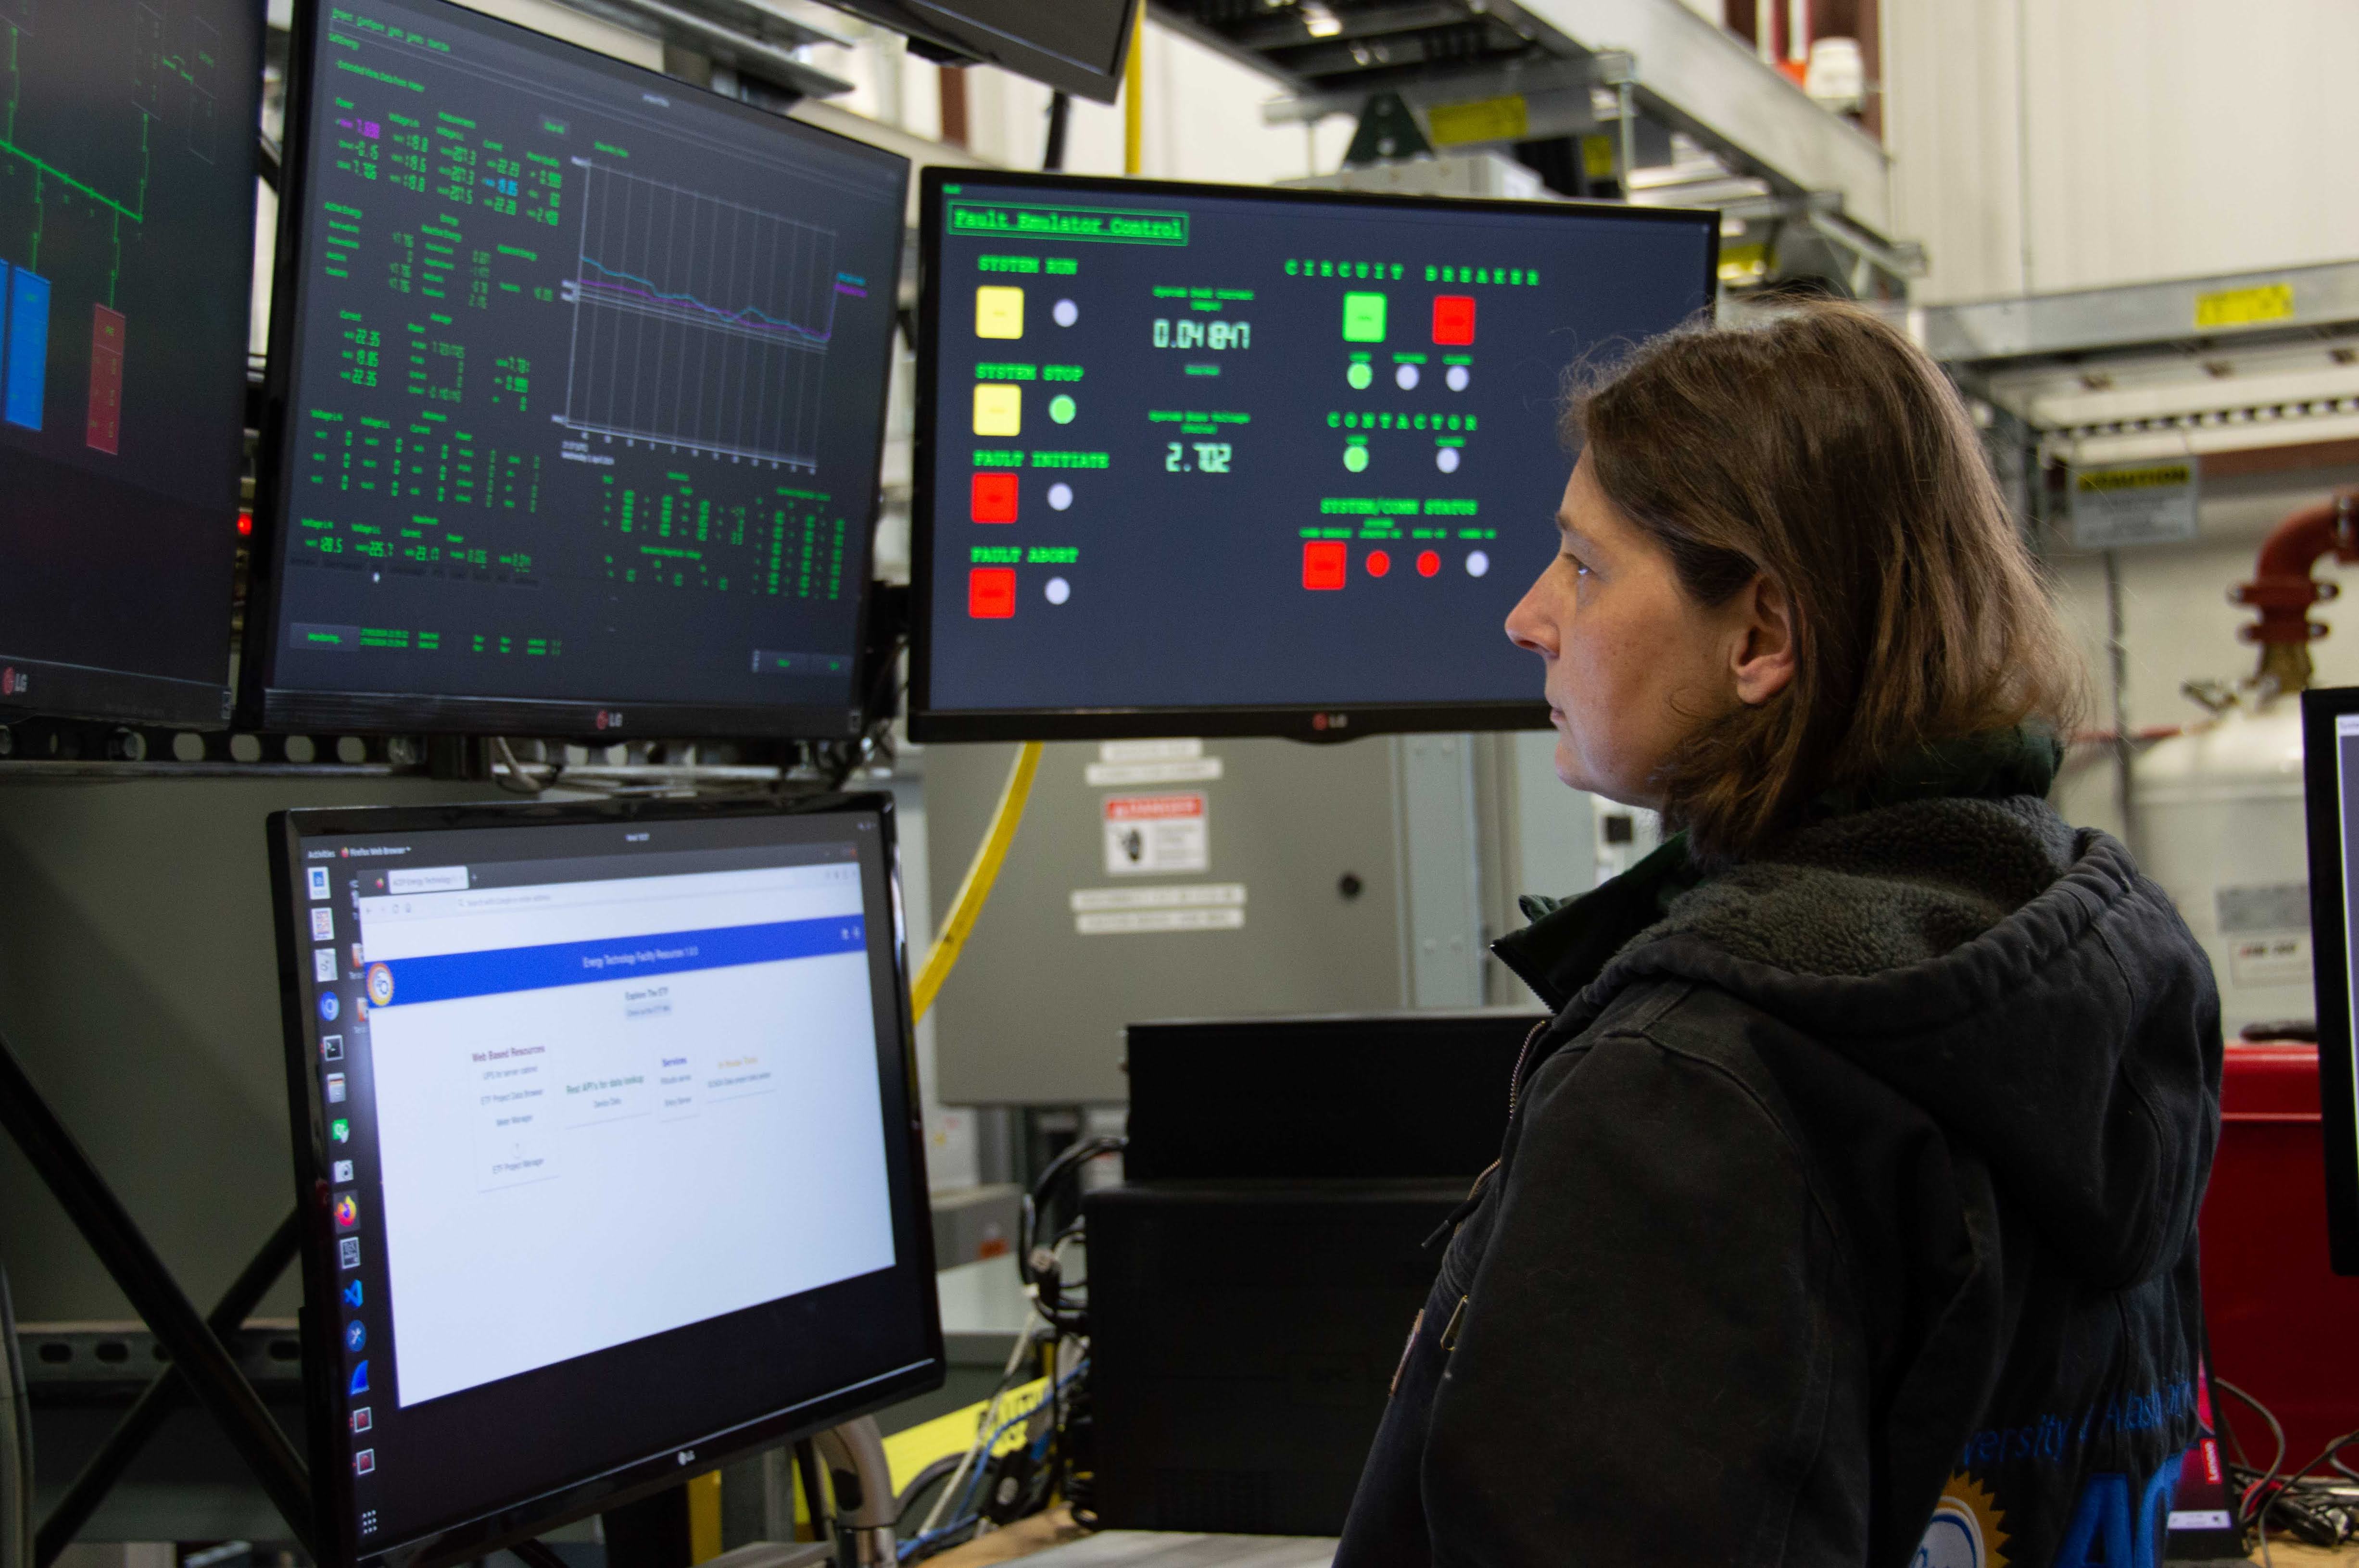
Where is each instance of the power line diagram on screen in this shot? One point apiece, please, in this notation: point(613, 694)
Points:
point(699, 323)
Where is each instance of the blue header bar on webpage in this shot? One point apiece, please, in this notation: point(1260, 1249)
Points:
point(451, 977)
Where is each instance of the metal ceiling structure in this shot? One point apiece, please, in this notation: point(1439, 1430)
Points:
point(1682, 113)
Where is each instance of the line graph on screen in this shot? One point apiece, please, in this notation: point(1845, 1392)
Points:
point(700, 323)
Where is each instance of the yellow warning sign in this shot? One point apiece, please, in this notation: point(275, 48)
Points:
point(2244, 306)
point(1482, 120)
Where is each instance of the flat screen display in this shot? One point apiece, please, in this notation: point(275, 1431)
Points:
point(605, 1148)
point(126, 256)
point(1210, 460)
point(583, 394)
point(2330, 749)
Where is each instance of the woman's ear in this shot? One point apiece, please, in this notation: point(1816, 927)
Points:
point(1763, 662)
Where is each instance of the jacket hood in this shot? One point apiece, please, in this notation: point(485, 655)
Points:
point(2018, 980)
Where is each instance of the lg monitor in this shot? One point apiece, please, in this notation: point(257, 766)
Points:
point(1210, 460)
point(607, 1151)
point(126, 255)
point(578, 393)
point(1074, 46)
point(2330, 751)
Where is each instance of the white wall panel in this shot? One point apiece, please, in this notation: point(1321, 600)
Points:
point(2161, 138)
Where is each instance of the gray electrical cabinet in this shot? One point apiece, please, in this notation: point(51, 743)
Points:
point(1161, 880)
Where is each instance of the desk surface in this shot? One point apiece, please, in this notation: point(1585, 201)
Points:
point(1053, 1541)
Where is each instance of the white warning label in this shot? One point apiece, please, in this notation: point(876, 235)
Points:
point(1156, 834)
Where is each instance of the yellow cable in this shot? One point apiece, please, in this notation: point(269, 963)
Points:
point(975, 886)
point(1134, 73)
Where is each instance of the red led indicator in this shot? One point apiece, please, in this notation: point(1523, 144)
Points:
point(244, 523)
point(1428, 563)
point(1379, 563)
point(990, 592)
point(993, 499)
point(1453, 318)
point(1324, 562)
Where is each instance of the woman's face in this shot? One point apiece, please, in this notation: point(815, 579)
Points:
point(1633, 665)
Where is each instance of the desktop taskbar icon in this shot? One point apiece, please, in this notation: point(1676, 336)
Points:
point(348, 1211)
point(380, 986)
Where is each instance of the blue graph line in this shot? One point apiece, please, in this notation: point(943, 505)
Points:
point(745, 318)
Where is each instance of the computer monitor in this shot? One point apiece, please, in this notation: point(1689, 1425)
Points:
point(607, 1150)
point(2330, 742)
point(126, 256)
point(578, 393)
point(1076, 46)
point(1211, 460)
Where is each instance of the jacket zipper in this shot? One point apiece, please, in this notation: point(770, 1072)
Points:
point(1515, 1084)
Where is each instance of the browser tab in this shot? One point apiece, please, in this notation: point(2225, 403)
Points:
point(428, 878)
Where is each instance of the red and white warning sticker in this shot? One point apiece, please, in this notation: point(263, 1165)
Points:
point(1156, 834)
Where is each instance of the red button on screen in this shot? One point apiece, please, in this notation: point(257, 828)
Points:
point(995, 498)
point(1428, 563)
point(990, 592)
point(1324, 562)
point(1453, 318)
point(1379, 563)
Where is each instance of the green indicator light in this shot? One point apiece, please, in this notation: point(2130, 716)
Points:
point(1360, 375)
point(1061, 409)
point(1355, 458)
point(1364, 318)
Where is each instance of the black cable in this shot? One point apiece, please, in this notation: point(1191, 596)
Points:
point(1060, 112)
point(2260, 1488)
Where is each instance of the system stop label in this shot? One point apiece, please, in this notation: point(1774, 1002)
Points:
point(1152, 835)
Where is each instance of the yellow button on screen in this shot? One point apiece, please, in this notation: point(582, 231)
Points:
point(998, 311)
point(998, 409)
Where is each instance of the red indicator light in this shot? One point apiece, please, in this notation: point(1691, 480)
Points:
point(990, 592)
point(1324, 563)
point(993, 499)
point(1428, 563)
point(244, 523)
point(1453, 318)
point(1379, 563)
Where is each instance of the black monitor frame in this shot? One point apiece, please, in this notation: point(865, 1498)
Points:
point(263, 705)
point(32, 686)
point(949, 28)
point(2331, 962)
point(335, 1529)
point(1297, 723)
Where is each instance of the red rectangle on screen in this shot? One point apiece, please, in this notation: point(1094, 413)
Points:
point(990, 592)
point(104, 430)
point(1325, 563)
point(994, 498)
point(1453, 318)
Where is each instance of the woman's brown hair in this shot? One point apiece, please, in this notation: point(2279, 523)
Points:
point(1825, 451)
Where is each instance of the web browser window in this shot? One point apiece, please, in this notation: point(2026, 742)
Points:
point(609, 1129)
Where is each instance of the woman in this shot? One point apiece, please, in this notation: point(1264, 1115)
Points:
point(1846, 1212)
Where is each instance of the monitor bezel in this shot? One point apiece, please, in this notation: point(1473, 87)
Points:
point(335, 1523)
point(262, 704)
point(112, 694)
point(2330, 965)
point(952, 28)
point(1318, 723)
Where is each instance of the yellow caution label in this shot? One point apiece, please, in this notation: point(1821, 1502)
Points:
point(1503, 119)
point(1597, 157)
point(2152, 476)
point(2244, 306)
point(1746, 263)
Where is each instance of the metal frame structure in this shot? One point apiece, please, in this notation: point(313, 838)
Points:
point(1492, 73)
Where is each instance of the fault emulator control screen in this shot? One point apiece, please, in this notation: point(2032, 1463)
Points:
point(589, 378)
point(1198, 447)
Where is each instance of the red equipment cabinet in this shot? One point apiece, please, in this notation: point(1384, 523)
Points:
point(2284, 1326)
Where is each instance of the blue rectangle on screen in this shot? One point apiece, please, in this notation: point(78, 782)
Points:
point(5, 271)
point(28, 350)
point(450, 976)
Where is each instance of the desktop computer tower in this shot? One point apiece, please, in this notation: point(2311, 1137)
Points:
point(1242, 1341)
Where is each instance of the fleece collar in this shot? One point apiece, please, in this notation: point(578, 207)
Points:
point(1569, 941)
